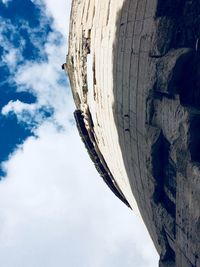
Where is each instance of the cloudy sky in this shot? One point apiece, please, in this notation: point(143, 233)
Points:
point(54, 208)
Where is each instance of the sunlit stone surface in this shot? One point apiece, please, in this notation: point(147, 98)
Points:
point(134, 67)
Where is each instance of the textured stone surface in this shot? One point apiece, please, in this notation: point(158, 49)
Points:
point(134, 71)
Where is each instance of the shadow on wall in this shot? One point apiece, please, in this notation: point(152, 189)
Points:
point(145, 34)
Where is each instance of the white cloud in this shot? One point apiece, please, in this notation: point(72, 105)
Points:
point(16, 107)
point(5, 2)
point(54, 208)
point(43, 79)
point(11, 55)
point(59, 212)
point(11, 58)
point(60, 13)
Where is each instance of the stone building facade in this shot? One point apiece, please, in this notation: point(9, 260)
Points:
point(133, 67)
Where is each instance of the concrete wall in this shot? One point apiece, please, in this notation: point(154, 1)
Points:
point(130, 65)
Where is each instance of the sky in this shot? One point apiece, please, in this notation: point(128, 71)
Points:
point(55, 210)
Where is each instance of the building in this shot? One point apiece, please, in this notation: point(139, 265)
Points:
point(133, 67)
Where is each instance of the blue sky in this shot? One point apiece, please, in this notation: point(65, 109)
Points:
point(54, 208)
point(18, 19)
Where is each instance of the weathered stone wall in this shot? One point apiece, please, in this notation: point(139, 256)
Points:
point(89, 38)
point(134, 71)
